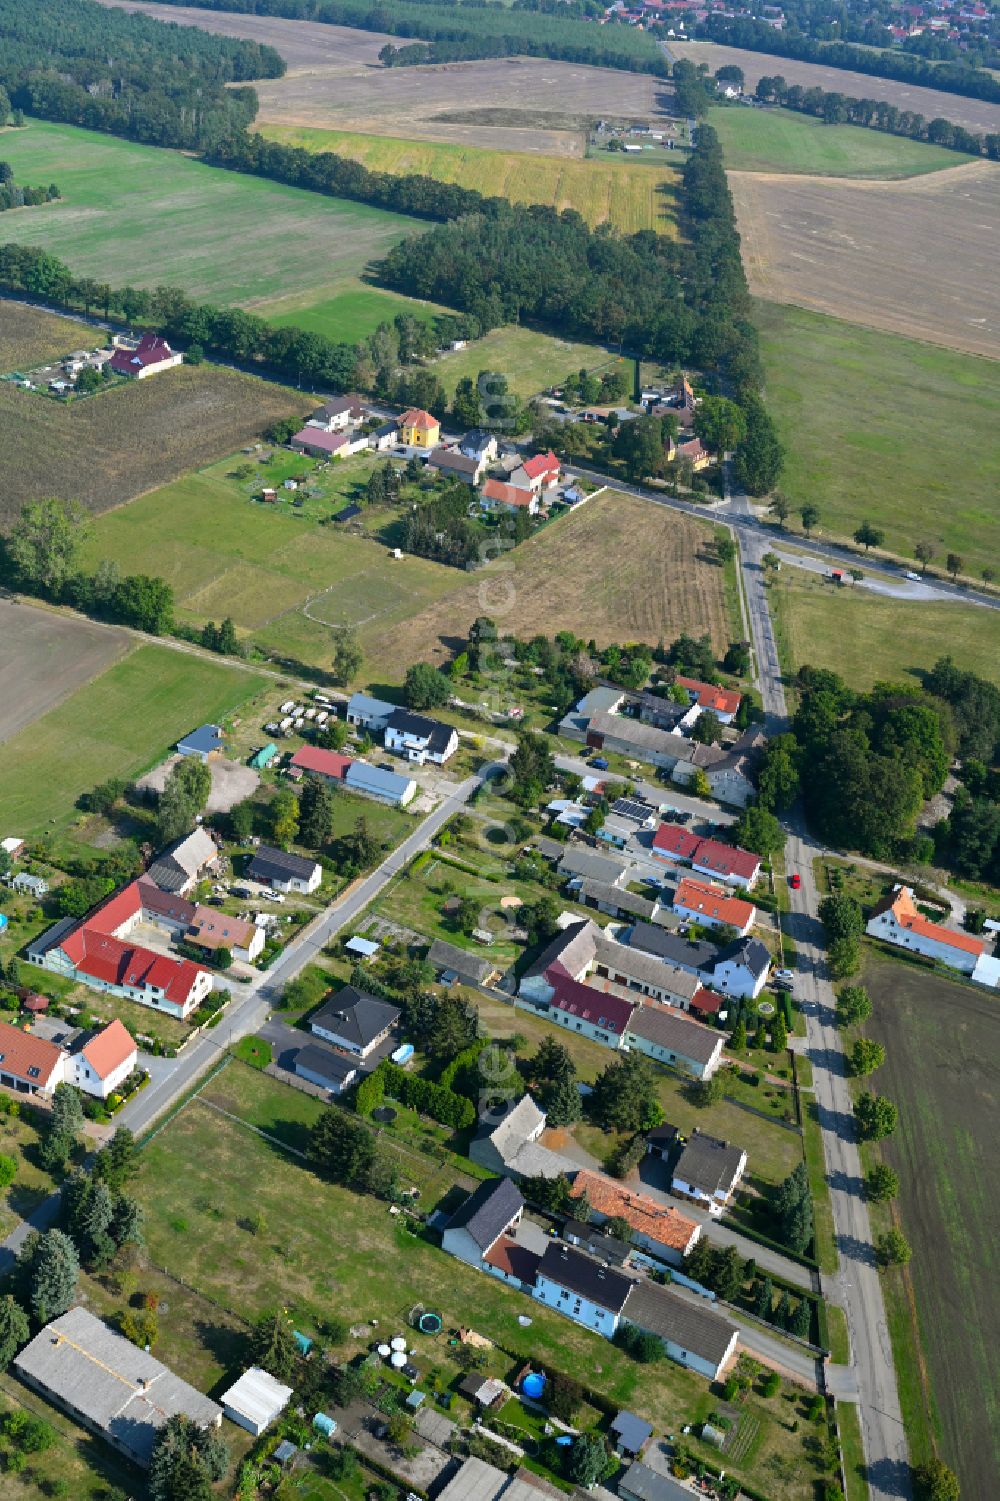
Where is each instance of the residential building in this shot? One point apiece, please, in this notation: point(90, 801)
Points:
point(584, 1290)
point(590, 1012)
point(575, 860)
point(497, 495)
point(479, 444)
point(30, 1065)
point(283, 871)
point(331, 766)
point(668, 1037)
point(713, 907)
point(255, 1401)
point(693, 956)
point(616, 901)
point(355, 1021)
point(340, 413)
point(695, 452)
point(319, 443)
point(206, 743)
point(539, 473)
point(384, 786)
point(367, 713)
point(384, 437)
point(419, 429)
point(640, 1483)
point(109, 1385)
point(662, 1231)
point(897, 920)
point(491, 1212)
point(613, 978)
point(674, 845)
point(149, 357)
point(181, 865)
point(419, 738)
point(723, 702)
point(323, 1067)
point(596, 1242)
point(452, 963)
point(103, 1061)
point(501, 1135)
point(452, 463)
point(213, 930)
point(742, 968)
point(35, 886)
point(693, 1333)
point(708, 1171)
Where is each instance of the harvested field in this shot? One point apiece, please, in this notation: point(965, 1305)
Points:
point(781, 140)
point(915, 258)
point(45, 658)
point(243, 238)
point(134, 437)
point(30, 337)
point(630, 195)
point(619, 569)
point(942, 1068)
point(974, 114)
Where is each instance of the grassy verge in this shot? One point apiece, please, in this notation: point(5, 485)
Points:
point(826, 1246)
point(840, 1344)
point(855, 1468)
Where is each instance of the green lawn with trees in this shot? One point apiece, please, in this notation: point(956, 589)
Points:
point(778, 140)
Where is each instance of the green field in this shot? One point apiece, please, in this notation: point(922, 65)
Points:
point(780, 140)
point(600, 190)
point(352, 312)
point(866, 637)
point(116, 726)
point(531, 361)
point(885, 429)
point(147, 216)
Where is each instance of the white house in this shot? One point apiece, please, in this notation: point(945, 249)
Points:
point(284, 872)
point(742, 968)
point(419, 738)
point(367, 713)
point(492, 1211)
point(355, 1021)
point(708, 1172)
point(896, 920)
point(693, 1333)
point(586, 1291)
point(104, 1062)
point(147, 357)
point(670, 1037)
point(709, 905)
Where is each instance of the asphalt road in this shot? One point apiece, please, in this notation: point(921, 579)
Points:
point(252, 1003)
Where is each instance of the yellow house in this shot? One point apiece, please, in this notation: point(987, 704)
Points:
point(419, 429)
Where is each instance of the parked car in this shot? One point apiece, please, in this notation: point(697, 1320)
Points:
point(909, 574)
point(784, 974)
point(598, 763)
point(795, 881)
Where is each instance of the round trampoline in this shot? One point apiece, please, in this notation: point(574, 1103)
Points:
point(430, 1323)
point(533, 1385)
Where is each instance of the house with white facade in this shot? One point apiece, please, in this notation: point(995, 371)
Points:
point(487, 1220)
point(354, 1020)
point(742, 968)
point(419, 738)
point(661, 1230)
point(897, 920)
point(693, 1333)
point(671, 1038)
point(283, 871)
point(708, 1172)
point(367, 713)
point(701, 902)
point(586, 1291)
point(104, 1061)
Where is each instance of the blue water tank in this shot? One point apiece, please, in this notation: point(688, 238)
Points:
point(533, 1385)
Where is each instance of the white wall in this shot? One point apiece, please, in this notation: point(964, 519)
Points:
point(665, 1055)
point(736, 980)
point(580, 1310)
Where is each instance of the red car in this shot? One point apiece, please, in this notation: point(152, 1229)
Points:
point(795, 881)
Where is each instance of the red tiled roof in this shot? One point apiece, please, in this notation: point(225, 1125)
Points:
point(706, 1001)
point(511, 495)
point(516, 1260)
point(906, 914)
point(417, 417)
point(317, 437)
point(104, 958)
point(673, 840)
point(720, 700)
point(151, 350)
point(590, 1005)
point(541, 464)
point(327, 763)
point(214, 930)
point(116, 910)
point(727, 859)
point(19, 1052)
point(666, 1225)
point(708, 901)
point(110, 1048)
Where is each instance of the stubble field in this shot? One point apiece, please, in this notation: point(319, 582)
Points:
point(44, 657)
point(915, 258)
point(30, 337)
point(942, 1042)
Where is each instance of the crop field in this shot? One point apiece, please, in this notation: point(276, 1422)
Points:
point(133, 436)
point(239, 239)
point(45, 658)
point(942, 1042)
point(912, 257)
point(781, 140)
point(617, 569)
point(29, 337)
point(867, 637)
point(849, 404)
point(530, 360)
point(974, 114)
point(115, 726)
point(630, 195)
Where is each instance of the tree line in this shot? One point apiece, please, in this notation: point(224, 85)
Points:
point(842, 109)
point(757, 36)
point(18, 195)
point(85, 64)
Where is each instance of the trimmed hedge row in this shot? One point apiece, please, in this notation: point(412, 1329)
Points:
point(440, 1104)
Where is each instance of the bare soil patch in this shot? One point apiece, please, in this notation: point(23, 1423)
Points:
point(44, 658)
point(974, 114)
point(619, 569)
point(915, 258)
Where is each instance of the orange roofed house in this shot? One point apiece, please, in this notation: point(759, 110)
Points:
point(104, 1061)
point(664, 1232)
point(704, 903)
point(896, 920)
point(418, 429)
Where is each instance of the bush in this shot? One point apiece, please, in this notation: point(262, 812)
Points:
point(429, 1099)
point(640, 1345)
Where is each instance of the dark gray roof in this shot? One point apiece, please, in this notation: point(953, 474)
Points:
point(582, 1274)
point(572, 945)
point(348, 513)
point(476, 440)
point(673, 1031)
point(618, 897)
point(51, 938)
point(355, 1015)
point(467, 966)
point(748, 951)
point(708, 1164)
point(579, 861)
point(631, 1431)
point(663, 1135)
point(594, 1240)
point(488, 1211)
point(693, 1326)
point(674, 947)
point(325, 1062)
point(644, 1484)
point(386, 428)
point(448, 458)
point(269, 864)
point(433, 731)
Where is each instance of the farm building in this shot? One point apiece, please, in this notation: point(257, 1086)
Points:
point(452, 463)
point(329, 765)
point(664, 1232)
point(180, 866)
point(255, 1400)
point(384, 437)
point(452, 963)
point(384, 786)
point(108, 1385)
point(283, 871)
point(319, 443)
point(151, 355)
point(367, 713)
point(206, 743)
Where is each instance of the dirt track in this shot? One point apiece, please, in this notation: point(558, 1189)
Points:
point(915, 257)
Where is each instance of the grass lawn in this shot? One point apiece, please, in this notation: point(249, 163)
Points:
point(885, 429)
point(350, 312)
point(866, 637)
point(84, 1465)
point(531, 361)
point(236, 238)
point(328, 1249)
point(942, 1042)
point(19, 1138)
point(598, 190)
point(854, 1454)
point(781, 140)
point(117, 726)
